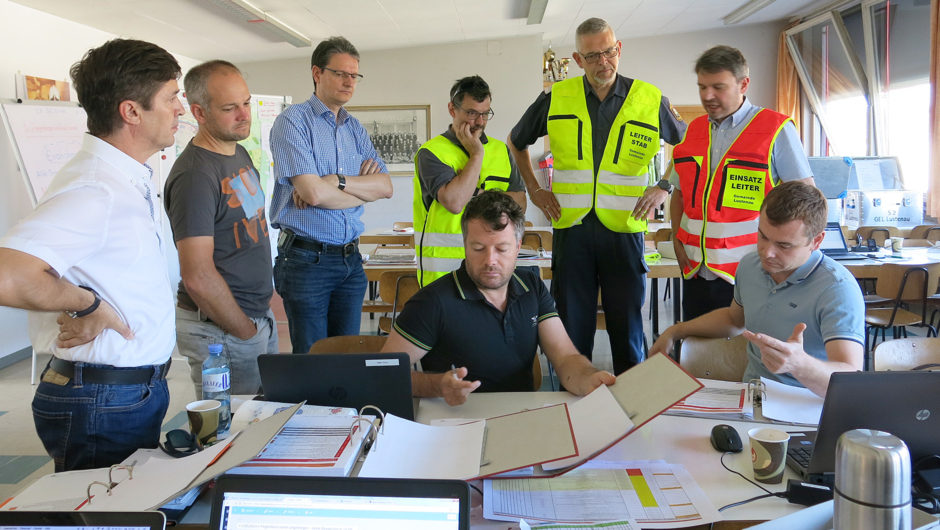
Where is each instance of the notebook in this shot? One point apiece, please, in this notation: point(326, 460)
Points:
point(264, 502)
point(340, 380)
point(72, 520)
point(834, 246)
point(905, 404)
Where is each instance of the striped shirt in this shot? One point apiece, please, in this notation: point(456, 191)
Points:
point(308, 138)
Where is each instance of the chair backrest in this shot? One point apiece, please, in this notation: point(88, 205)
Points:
point(722, 359)
point(536, 373)
point(921, 231)
point(398, 225)
point(528, 223)
point(397, 287)
point(907, 354)
point(349, 344)
point(879, 233)
point(663, 234)
point(891, 276)
point(537, 239)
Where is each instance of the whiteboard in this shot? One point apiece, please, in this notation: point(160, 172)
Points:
point(46, 135)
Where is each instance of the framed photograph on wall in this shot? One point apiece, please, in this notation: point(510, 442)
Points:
point(397, 131)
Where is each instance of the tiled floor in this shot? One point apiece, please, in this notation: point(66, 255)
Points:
point(23, 459)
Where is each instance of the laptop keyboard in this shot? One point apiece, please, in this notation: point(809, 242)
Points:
point(800, 455)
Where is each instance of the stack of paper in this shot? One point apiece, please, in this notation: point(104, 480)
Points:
point(311, 446)
point(720, 400)
point(393, 256)
point(791, 404)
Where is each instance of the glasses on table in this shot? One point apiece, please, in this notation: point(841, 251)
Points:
point(355, 78)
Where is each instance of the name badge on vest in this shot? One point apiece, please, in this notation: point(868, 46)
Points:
point(744, 189)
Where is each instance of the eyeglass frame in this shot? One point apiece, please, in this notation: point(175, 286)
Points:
point(608, 54)
point(487, 116)
point(357, 78)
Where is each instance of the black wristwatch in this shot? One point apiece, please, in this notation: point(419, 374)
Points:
point(664, 184)
point(91, 309)
point(342, 182)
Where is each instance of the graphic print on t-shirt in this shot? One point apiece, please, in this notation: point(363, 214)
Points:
point(244, 191)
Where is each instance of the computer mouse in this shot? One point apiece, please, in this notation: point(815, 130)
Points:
point(726, 439)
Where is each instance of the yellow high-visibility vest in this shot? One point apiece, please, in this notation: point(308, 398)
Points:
point(438, 239)
point(623, 174)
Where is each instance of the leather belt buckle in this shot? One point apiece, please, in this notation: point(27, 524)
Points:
point(349, 249)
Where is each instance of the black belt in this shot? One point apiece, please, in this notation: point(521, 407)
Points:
point(294, 240)
point(98, 375)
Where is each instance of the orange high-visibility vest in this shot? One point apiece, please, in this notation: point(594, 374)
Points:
point(720, 211)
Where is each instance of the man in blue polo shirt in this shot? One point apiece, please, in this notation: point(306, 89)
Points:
point(802, 312)
point(478, 327)
point(326, 169)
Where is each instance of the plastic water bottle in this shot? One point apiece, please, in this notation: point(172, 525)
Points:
point(216, 378)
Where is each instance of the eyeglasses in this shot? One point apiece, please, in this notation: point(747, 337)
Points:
point(180, 443)
point(355, 78)
point(473, 115)
point(592, 58)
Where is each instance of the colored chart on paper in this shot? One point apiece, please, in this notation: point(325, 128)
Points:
point(653, 494)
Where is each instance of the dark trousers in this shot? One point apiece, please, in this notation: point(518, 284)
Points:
point(704, 296)
point(588, 256)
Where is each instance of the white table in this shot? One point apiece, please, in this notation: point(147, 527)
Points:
point(675, 439)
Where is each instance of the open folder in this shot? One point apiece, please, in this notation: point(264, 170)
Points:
point(149, 478)
point(553, 440)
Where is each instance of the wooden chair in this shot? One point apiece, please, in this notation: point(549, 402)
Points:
point(907, 354)
point(536, 373)
point(901, 283)
point(397, 286)
point(879, 233)
point(349, 344)
point(537, 239)
point(929, 232)
point(528, 224)
point(722, 359)
point(398, 225)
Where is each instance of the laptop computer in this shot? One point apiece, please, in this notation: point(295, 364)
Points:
point(340, 380)
point(333, 502)
point(72, 520)
point(834, 244)
point(905, 404)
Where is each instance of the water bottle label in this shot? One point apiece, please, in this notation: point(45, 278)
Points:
point(215, 382)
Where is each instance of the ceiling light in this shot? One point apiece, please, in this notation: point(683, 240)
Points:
point(746, 10)
point(253, 15)
point(536, 12)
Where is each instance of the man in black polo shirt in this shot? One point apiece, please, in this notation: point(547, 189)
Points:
point(487, 318)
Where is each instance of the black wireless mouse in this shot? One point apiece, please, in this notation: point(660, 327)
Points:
point(726, 439)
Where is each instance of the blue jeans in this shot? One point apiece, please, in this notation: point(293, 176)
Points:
point(323, 294)
point(85, 426)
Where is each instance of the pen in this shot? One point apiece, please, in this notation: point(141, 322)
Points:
point(454, 368)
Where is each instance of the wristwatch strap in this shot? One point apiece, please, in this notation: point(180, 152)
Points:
point(342, 182)
point(91, 309)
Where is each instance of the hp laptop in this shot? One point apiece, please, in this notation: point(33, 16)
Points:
point(330, 502)
point(834, 244)
point(72, 520)
point(905, 404)
point(340, 380)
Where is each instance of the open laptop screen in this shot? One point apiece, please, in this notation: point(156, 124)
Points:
point(285, 503)
point(834, 240)
point(275, 511)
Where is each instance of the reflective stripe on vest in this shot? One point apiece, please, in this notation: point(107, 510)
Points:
point(721, 210)
point(438, 239)
point(623, 173)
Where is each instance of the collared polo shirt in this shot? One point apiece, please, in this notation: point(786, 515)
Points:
point(456, 325)
point(308, 139)
point(821, 293)
point(95, 227)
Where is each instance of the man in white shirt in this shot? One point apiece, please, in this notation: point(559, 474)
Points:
point(89, 265)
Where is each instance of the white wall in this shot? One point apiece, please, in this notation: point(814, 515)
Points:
point(422, 76)
point(667, 61)
point(39, 44)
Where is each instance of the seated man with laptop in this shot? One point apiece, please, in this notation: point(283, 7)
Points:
point(478, 327)
point(802, 312)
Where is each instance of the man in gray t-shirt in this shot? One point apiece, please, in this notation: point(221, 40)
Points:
point(216, 208)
